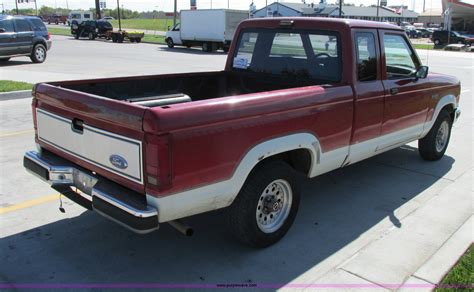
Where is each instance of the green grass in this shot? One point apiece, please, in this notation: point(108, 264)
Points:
point(144, 24)
point(59, 31)
point(7, 86)
point(462, 274)
point(156, 39)
point(423, 46)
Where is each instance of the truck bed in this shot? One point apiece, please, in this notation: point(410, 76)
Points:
point(177, 88)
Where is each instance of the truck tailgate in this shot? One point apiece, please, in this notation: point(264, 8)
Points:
point(102, 134)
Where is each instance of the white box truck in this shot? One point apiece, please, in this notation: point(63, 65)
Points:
point(211, 29)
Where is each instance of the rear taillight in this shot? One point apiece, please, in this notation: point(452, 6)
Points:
point(34, 103)
point(157, 162)
point(49, 35)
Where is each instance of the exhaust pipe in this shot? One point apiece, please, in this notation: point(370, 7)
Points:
point(182, 227)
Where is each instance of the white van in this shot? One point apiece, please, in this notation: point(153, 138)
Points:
point(79, 16)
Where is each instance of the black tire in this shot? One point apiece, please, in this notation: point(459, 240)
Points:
point(91, 36)
point(437, 42)
point(76, 36)
point(170, 43)
point(226, 49)
point(428, 147)
point(39, 53)
point(242, 214)
point(120, 38)
point(4, 59)
point(206, 47)
point(138, 40)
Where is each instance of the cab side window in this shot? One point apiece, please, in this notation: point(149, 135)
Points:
point(400, 60)
point(7, 25)
point(366, 56)
point(22, 25)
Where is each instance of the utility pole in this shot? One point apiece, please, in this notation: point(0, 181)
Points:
point(118, 14)
point(97, 9)
point(16, 5)
point(175, 12)
point(36, 7)
point(340, 8)
point(378, 6)
point(424, 3)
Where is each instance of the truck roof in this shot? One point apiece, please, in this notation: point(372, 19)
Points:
point(313, 22)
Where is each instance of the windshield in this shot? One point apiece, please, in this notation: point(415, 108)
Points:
point(296, 53)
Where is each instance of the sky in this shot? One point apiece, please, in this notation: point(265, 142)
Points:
point(167, 5)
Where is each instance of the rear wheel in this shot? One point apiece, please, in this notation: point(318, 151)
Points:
point(39, 54)
point(266, 205)
point(437, 42)
point(170, 43)
point(91, 36)
point(206, 47)
point(433, 146)
point(138, 40)
point(76, 36)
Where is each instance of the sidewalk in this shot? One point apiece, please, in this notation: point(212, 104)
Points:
point(416, 254)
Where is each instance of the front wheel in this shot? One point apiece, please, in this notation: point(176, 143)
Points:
point(266, 206)
point(170, 43)
point(39, 54)
point(433, 146)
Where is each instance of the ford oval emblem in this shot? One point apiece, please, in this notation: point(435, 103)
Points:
point(118, 161)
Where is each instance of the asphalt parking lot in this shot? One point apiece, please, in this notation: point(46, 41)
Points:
point(376, 223)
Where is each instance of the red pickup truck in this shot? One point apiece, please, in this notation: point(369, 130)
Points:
point(298, 97)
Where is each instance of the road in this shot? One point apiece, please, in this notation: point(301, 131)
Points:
point(375, 223)
point(83, 59)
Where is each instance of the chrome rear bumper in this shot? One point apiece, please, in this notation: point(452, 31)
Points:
point(107, 198)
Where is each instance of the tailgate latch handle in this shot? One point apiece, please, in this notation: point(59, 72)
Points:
point(77, 126)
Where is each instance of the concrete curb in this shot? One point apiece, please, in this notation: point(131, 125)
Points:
point(15, 95)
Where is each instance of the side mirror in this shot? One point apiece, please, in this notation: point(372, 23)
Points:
point(2, 30)
point(422, 72)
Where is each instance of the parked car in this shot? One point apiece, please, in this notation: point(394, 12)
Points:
point(425, 33)
point(79, 16)
point(108, 18)
point(85, 29)
point(444, 37)
point(299, 97)
point(412, 32)
point(103, 27)
point(23, 36)
point(57, 19)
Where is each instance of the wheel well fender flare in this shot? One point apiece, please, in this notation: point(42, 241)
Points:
point(447, 101)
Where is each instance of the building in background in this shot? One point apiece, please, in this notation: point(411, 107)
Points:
point(458, 15)
point(431, 17)
point(286, 9)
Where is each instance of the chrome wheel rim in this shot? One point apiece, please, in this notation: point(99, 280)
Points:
point(39, 54)
point(274, 206)
point(442, 136)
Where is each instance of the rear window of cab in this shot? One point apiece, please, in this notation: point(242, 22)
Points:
point(314, 55)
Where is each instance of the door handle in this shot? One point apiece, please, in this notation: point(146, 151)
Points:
point(393, 91)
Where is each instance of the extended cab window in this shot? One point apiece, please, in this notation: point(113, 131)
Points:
point(7, 25)
point(22, 25)
point(303, 54)
point(366, 56)
point(400, 60)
